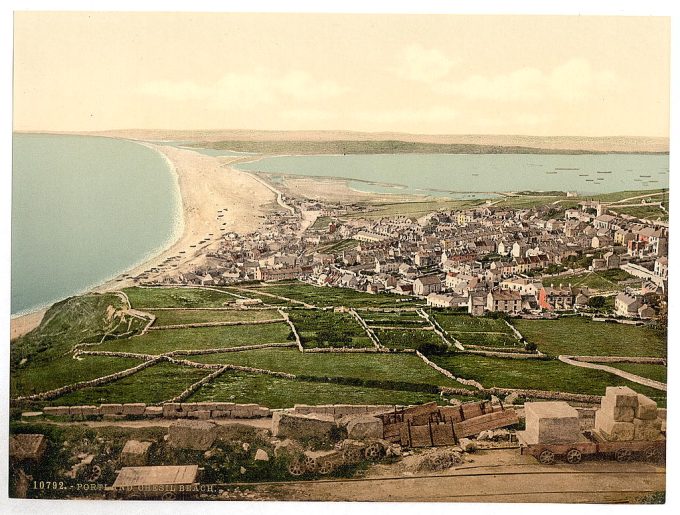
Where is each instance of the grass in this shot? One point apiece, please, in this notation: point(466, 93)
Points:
point(650, 371)
point(378, 367)
point(325, 296)
point(152, 385)
point(604, 281)
point(406, 338)
point(337, 246)
point(402, 319)
point(328, 329)
point(468, 323)
point(550, 375)
point(581, 336)
point(196, 316)
point(321, 223)
point(487, 339)
point(416, 209)
point(158, 342)
point(63, 371)
point(177, 298)
point(275, 392)
point(67, 323)
point(649, 212)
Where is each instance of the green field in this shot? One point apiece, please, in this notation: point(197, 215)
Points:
point(606, 280)
point(177, 317)
point(487, 339)
point(365, 366)
point(648, 212)
point(468, 323)
point(328, 329)
point(406, 338)
point(321, 223)
point(579, 336)
point(654, 372)
point(415, 209)
point(275, 392)
point(401, 319)
point(550, 375)
point(64, 371)
point(155, 384)
point(159, 342)
point(177, 298)
point(325, 296)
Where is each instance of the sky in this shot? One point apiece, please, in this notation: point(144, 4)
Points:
point(428, 74)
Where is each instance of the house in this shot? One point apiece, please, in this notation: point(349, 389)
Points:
point(427, 284)
point(646, 311)
point(626, 305)
point(476, 303)
point(522, 285)
point(506, 301)
point(403, 289)
point(440, 300)
point(661, 267)
point(551, 298)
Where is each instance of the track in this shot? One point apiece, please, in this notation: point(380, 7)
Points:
point(527, 481)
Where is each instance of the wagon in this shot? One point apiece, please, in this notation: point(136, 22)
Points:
point(349, 452)
point(594, 444)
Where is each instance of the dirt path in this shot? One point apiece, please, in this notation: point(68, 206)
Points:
point(621, 373)
point(260, 423)
point(494, 476)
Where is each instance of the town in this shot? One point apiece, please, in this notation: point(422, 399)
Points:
point(483, 259)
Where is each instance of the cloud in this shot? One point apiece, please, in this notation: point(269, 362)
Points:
point(246, 90)
point(423, 64)
point(572, 81)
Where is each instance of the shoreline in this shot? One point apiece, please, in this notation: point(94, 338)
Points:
point(206, 185)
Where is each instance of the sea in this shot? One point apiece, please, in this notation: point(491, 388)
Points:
point(477, 175)
point(85, 209)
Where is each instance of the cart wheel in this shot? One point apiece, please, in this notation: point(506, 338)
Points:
point(351, 455)
point(310, 464)
point(547, 457)
point(373, 451)
point(169, 496)
point(574, 456)
point(94, 473)
point(325, 467)
point(623, 455)
point(296, 467)
point(651, 453)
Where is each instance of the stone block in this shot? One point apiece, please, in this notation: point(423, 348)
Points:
point(111, 409)
point(75, 410)
point(647, 429)
point(220, 414)
point(198, 435)
point(616, 413)
point(199, 414)
point(189, 406)
point(612, 430)
point(56, 411)
point(261, 455)
point(135, 453)
point(222, 406)
point(362, 427)
point(552, 422)
point(300, 427)
point(173, 410)
point(586, 418)
point(153, 411)
point(623, 397)
point(136, 408)
point(646, 408)
point(89, 410)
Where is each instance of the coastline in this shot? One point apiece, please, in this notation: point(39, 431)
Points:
point(206, 185)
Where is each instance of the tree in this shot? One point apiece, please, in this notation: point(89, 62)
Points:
point(597, 302)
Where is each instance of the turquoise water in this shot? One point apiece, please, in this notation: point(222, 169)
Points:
point(437, 174)
point(84, 209)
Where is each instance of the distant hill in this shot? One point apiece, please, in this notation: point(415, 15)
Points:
point(398, 141)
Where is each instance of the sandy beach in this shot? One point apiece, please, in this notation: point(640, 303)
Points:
point(209, 187)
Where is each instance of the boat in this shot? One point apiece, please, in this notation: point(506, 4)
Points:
point(567, 168)
point(605, 172)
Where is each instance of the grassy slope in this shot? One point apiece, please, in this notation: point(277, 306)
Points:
point(275, 392)
point(581, 336)
point(388, 367)
point(191, 316)
point(154, 384)
point(537, 374)
point(176, 297)
point(158, 342)
point(655, 372)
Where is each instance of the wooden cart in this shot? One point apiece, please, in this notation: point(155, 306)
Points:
point(592, 443)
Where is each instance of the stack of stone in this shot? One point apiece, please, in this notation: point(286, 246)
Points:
point(625, 415)
point(553, 422)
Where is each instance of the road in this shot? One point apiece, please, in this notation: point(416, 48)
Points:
point(621, 373)
point(494, 476)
